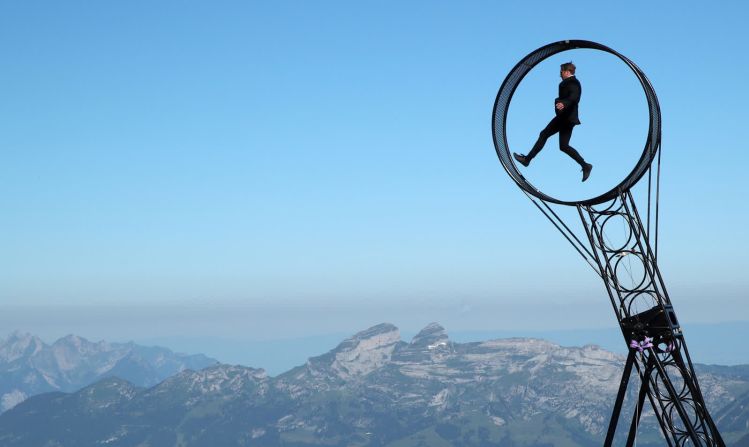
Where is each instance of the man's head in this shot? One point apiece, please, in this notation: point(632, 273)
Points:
point(566, 70)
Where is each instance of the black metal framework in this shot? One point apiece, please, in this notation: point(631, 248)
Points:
point(618, 245)
point(648, 321)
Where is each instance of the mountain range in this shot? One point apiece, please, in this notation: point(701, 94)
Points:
point(373, 389)
point(28, 366)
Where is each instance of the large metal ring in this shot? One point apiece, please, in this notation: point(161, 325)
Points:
point(502, 105)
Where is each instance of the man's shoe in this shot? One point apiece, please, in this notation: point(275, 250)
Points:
point(522, 159)
point(587, 167)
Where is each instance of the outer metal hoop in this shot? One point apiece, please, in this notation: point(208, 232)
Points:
point(502, 105)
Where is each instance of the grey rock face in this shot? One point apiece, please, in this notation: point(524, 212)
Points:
point(353, 358)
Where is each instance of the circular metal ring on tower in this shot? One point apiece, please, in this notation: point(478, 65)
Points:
point(502, 105)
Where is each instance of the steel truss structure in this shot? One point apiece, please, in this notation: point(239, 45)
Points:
point(642, 306)
point(622, 249)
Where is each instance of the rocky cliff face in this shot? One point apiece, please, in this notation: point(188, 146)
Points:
point(28, 366)
point(352, 359)
point(372, 389)
point(365, 352)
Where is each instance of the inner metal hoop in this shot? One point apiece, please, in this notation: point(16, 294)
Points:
point(502, 106)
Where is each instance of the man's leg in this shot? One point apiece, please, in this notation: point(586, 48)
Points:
point(550, 129)
point(565, 133)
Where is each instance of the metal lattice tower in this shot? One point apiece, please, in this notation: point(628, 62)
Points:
point(658, 352)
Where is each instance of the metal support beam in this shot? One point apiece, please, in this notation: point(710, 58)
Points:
point(620, 246)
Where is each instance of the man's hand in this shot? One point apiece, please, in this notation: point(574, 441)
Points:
point(559, 106)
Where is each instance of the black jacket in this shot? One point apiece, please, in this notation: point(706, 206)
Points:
point(569, 95)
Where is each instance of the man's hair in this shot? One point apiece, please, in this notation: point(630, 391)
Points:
point(568, 66)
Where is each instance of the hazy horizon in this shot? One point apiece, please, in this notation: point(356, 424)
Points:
point(278, 352)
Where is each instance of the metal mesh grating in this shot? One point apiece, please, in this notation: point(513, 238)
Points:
point(502, 106)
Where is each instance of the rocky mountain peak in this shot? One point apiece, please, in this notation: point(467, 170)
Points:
point(366, 351)
point(19, 345)
point(71, 350)
point(76, 343)
point(430, 345)
point(355, 357)
point(217, 380)
point(220, 373)
point(432, 335)
point(30, 366)
point(107, 392)
point(371, 338)
point(16, 336)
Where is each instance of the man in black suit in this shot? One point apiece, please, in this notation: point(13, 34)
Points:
point(565, 108)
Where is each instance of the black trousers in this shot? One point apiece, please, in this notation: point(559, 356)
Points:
point(565, 133)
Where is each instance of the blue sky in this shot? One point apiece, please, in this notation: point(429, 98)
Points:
point(300, 168)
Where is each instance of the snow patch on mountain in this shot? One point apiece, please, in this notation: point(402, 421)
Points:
point(11, 399)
